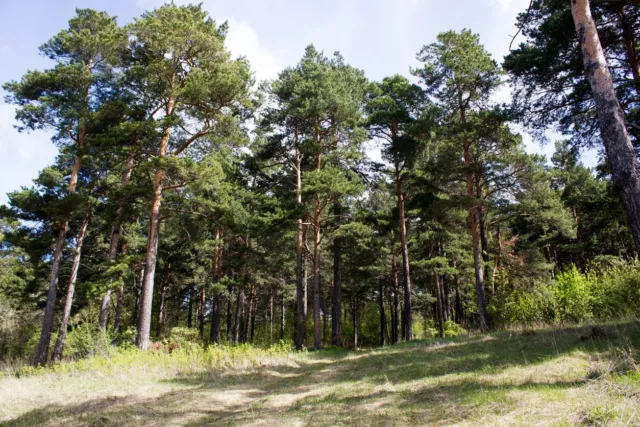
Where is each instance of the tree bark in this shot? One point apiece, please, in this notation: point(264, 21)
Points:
point(473, 228)
point(117, 324)
point(144, 322)
point(396, 302)
point(439, 307)
point(230, 314)
point(105, 306)
point(238, 317)
point(214, 334)
point(628, 38)
point(617, 143)
point(336, 302)
point(190, 309)
point(407, 317)
point(316, 278)
point(282, 315)
point(271, 313)
point(301, 309)
point(71, 286)
point(383, 316)
point(202, 302)
point(250, 312)
point(42, 352)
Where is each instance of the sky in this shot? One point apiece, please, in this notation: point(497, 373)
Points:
point(379, 37)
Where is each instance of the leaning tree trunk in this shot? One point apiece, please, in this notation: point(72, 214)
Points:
point(617, 144)
point(336, 302)
point(71, 286)
point(407, 317)
point(42, 352)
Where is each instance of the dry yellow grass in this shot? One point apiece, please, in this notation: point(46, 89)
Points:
point(549, 377)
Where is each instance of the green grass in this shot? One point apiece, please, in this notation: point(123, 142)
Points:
point(546, 377)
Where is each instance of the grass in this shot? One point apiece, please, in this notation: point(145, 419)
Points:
point(544, 377)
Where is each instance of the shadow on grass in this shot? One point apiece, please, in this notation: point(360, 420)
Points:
point(273, 392)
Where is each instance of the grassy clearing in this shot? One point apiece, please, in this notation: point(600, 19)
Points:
point(547, 377)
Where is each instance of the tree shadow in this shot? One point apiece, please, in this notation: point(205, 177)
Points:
point(265, 394)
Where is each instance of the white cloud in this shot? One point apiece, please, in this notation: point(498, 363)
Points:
point(510, 4)
point(242, 40)
point(22, 155)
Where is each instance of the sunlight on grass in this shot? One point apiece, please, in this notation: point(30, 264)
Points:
point(510, 378)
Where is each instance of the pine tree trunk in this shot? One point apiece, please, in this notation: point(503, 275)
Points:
point(305, 288)
point(105, 306)
point(617, 144)
point(396, 302)
point(201, 311)
point(316, 277)
point(282, 316)
point(161, 311)
point(407, 316)
point(250, 312)
point(354, 318)
point(336, 302)
point(42, 352)
point(238, 317)
point(230, 314)
point(475, 234)
point(190, 309)
point(117, 324)
point(628, 38)
point(71, 286)
point(383, 316)
point(301, 301)
point(439, 307)
point(446, 302)
point(214, 335)
point(138, 288)
point(482, 226)
point(271, 313)
point(144, 322)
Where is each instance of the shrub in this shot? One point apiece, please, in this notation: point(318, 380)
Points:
point(571, 295)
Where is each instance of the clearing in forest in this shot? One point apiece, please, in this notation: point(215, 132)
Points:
point(573, 376)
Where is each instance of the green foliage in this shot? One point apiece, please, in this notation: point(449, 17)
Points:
point(572, 296)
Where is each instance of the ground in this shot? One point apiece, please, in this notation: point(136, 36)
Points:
point(569, 376)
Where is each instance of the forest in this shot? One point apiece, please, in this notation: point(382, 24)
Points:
point(192, 205)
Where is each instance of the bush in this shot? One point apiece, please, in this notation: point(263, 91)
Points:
point(452, 329)
point(572, 297)
point(86, 340)
point(184, 338)
point(16, 330)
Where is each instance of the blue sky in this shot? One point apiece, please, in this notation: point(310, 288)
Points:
point(380, 37)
